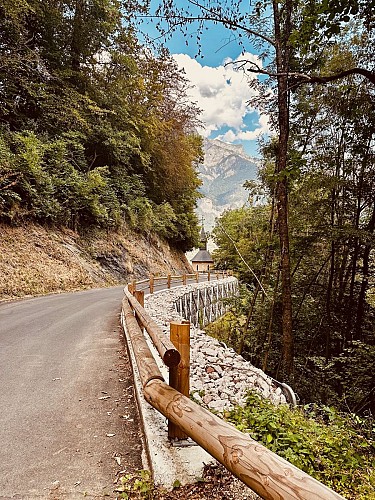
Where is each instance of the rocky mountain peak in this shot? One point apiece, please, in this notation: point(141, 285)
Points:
point(216, 151)
point(225, 169)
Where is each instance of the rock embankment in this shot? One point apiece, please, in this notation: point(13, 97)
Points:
point(36, 260)
point(219, 378)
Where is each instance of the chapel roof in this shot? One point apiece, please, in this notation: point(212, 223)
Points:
point(202, 256)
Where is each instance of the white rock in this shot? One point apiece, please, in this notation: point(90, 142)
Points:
point(232, 377)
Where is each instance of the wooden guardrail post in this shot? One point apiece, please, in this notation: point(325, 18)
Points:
point(166, 349)
point(139, 295)
point(197, 276)
point(169, 279)
point(267, 474)
point(179, 375)
point(133, 286)
point(151, 283)
point(184, 279)
point(208, 275)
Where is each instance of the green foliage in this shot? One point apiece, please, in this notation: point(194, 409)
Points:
point(348, 380)
point(139, 485)
point(320, 441)
point(331, 220)
point(95, 130)
point(246, 229)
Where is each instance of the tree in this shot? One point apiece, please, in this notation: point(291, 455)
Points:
point(275, 25)
point(95, 128)
point(331, 228)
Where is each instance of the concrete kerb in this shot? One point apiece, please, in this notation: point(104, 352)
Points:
point(167, 463)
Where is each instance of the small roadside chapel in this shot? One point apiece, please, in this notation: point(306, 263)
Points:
point(202, 261)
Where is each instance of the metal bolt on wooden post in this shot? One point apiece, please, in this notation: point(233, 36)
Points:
point(151, 283)
point(179, 375)
point(169, 279)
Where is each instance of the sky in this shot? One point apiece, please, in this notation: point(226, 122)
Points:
point(221, 92)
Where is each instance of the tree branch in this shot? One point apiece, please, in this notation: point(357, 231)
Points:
point(370, 75)
point(229, 22)
point(241, 257)
point(210, 15)
point(303, 78)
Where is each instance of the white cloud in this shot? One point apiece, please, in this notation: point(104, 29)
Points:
point(222, 93)
point(247, 135)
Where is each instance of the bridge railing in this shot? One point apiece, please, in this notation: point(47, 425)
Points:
point(267, 474)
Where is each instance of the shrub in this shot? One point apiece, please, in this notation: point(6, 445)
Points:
point(320, 441)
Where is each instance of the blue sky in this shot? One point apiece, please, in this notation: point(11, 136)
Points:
point(219, 90)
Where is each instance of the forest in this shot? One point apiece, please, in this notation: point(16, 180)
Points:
point(329, 178)
point(303, 245)
point(95, 128)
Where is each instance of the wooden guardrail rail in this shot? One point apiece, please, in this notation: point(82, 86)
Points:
point(166, 349)
point(267, 474)
point(149, 283)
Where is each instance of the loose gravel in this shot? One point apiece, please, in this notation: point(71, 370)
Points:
point(219, 378)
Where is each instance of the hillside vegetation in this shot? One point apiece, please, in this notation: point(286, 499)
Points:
point(37, 260)
point(331, 231)
point(95, 130)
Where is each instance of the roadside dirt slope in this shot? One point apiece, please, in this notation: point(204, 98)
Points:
point(38, 260)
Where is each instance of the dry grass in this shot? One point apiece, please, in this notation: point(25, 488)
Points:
point(35, 260)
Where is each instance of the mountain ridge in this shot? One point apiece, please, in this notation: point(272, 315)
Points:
point(225, 169)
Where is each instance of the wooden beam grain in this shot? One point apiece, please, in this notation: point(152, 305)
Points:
point(267, 474)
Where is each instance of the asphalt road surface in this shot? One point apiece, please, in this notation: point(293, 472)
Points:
point(68, 420)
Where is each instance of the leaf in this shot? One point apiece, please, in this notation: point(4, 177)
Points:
point(176, 484)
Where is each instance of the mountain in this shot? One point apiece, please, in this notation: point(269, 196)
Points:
point(226, 167)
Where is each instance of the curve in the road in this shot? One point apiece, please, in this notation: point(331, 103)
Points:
point(68, 422)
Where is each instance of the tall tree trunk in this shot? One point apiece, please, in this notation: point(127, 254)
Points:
point(365, 279)
point(282, 24)
point(331, 274)
point(350, 308)
point(270, 322)
point(342, 274)
point(328, 302)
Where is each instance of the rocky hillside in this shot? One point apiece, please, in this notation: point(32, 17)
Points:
point(37, 260)
point(226, 167)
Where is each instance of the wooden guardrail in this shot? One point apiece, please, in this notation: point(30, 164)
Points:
point(183, 279)
point(267, 474)
point(166, 349)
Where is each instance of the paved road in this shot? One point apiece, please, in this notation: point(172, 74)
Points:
point(58, 356)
